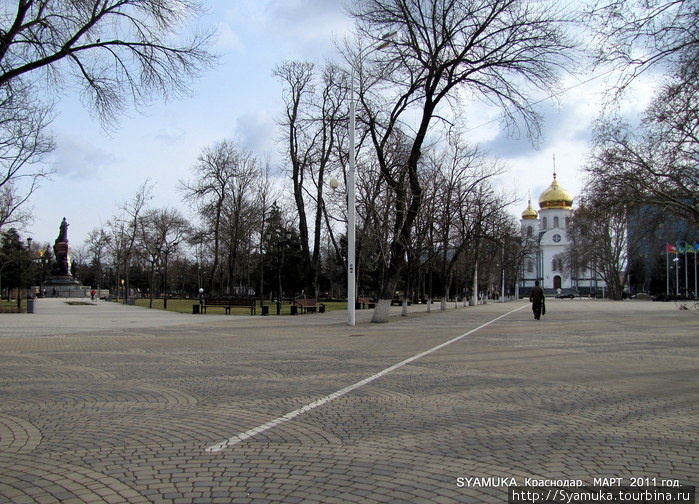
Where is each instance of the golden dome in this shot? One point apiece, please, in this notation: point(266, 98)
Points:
point(555, 196)
point(529, 212)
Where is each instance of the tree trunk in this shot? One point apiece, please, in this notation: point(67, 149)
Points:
point(381, 312)
point(474, 287)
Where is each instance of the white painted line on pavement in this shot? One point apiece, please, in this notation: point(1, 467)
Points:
point(237, 438)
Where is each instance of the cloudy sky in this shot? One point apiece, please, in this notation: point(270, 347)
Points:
point(240, 99)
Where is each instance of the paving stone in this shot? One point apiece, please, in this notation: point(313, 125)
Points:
point(115, 404)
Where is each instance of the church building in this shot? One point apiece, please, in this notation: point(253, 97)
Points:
point(544, 235)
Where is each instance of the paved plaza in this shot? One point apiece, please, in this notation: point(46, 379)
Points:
point(107, 403)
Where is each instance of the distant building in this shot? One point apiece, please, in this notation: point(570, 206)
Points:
point(544, 235)
point(660, 238)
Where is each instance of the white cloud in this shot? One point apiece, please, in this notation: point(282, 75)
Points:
point(80, 158)
point(310, 20)
point(258, 132)
point(227, 39)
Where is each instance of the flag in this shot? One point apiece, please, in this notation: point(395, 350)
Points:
point(690, 248)
point(672, 249)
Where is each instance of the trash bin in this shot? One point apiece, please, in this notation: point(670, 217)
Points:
point(30, 305)
point(131, 301)
point(265, 310)
point(294, 309)
point(195, 309)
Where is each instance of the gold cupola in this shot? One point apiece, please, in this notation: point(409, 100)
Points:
point(555, 196)
point(529, 213)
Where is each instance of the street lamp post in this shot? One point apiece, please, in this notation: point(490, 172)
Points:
point(351, 200)
point(42, 261)
point(29, 281)
point(351, 214)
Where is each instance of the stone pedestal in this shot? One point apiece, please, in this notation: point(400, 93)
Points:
point(64, 286)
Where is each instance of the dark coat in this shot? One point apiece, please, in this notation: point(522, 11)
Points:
point(537, 295)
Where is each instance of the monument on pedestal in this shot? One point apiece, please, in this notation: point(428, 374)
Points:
point(61, 281)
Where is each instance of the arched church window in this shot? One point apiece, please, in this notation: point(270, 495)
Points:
point(555, 222)
point(530, 231)
point(554, 265)
point(544, 223)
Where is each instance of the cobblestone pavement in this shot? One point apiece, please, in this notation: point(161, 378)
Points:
point(112, 404)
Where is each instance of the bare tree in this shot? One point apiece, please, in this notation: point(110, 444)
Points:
point(23, 145)
point(222, 189)
point(600, 238)
point(376, 214)
point(264, 202)
point(462, 177)
point(483, 226)
point(298, 80)
point(118, 51)
point(497, 50)
point(161, 233)
point(313, 125)
point(207, 192)
point(639, 35)
point(124, 231)
point(240, 220)
point(98, 241)
point(657, 164)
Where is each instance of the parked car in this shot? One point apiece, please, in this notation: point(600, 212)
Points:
point(565, 295)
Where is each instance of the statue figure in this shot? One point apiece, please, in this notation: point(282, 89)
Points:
point(63, 231)
point(61, 250)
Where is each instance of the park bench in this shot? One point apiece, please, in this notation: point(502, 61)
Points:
point(365, 302)
point(398, 300)
point(309, 305)
point(227, 304)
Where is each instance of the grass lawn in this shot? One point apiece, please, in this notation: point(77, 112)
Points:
point(185, 306)
point(11, 306)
